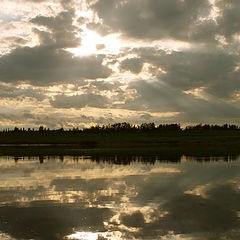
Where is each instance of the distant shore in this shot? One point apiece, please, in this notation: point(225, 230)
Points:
point(125, 135)
point(167, 145)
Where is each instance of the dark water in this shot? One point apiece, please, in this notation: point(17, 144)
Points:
point(53, 198)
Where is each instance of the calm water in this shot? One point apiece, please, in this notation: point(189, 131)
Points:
point(52, 198)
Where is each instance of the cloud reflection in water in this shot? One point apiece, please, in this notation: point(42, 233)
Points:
point(88, 200)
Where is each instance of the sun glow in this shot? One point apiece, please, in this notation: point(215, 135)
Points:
point(93, 43)
point(86, 236)
point(94, 236)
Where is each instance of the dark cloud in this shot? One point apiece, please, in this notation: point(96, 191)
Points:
point(18, 193)
point(43, 65)
point(229, 18)
point(27, 118)
point(157, 203)
point(186, 20)
point(212, 69)
point(132, 64)
point(63, 33)
point(48, 220)
point(78, 184)
point(20, 117)
point(67, 4)
point(210, 65)
point(12, 92)
point(211, 213)
point(155, 19)
point(159, 97)
point(80, 101)
point(49, 63)
point(212, 72)
point(135, 219)
point(104, 86)
point(189, 214)
point(228, 194)
point(173, 185)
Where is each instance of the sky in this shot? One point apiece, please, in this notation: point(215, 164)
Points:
point(77, 63)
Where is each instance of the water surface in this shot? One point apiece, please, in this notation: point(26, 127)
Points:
point(116, 197)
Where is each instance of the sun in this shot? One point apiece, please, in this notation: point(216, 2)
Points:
point(93, 43)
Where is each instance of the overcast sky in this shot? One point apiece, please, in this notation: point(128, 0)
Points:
point(72, 63)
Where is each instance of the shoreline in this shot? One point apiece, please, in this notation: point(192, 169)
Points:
point(164, 151)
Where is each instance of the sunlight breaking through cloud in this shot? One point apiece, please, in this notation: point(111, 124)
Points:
point(94, 236)
point(155, 57)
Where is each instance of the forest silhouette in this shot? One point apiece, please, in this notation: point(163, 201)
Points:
point(125, 135)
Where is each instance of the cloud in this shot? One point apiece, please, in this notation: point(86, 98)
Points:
point(62, 32)
point(174, 185)
point(98, 86)
point(213, 69)
point(57, 221)
point(189, 214)
point(228, 194)
point(229, 18)
point(80, 101)
point(211, 212)
point(100, 46)
point(200, 83)
point(37, 1)
point(205, 216)
point(42, 65)
point(134, 65)
point(154, 19)
point(48, 63)
point(197, 77)
point(99, 28)
point(157, 97)
point(12, 92)
point(78, 184)
point(18, 193)
point(191, 21)
point(15, 41)
point(135, 219)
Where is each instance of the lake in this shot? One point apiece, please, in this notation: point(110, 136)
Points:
point(119, 197)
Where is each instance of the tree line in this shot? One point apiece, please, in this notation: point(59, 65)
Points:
point(127, 127)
